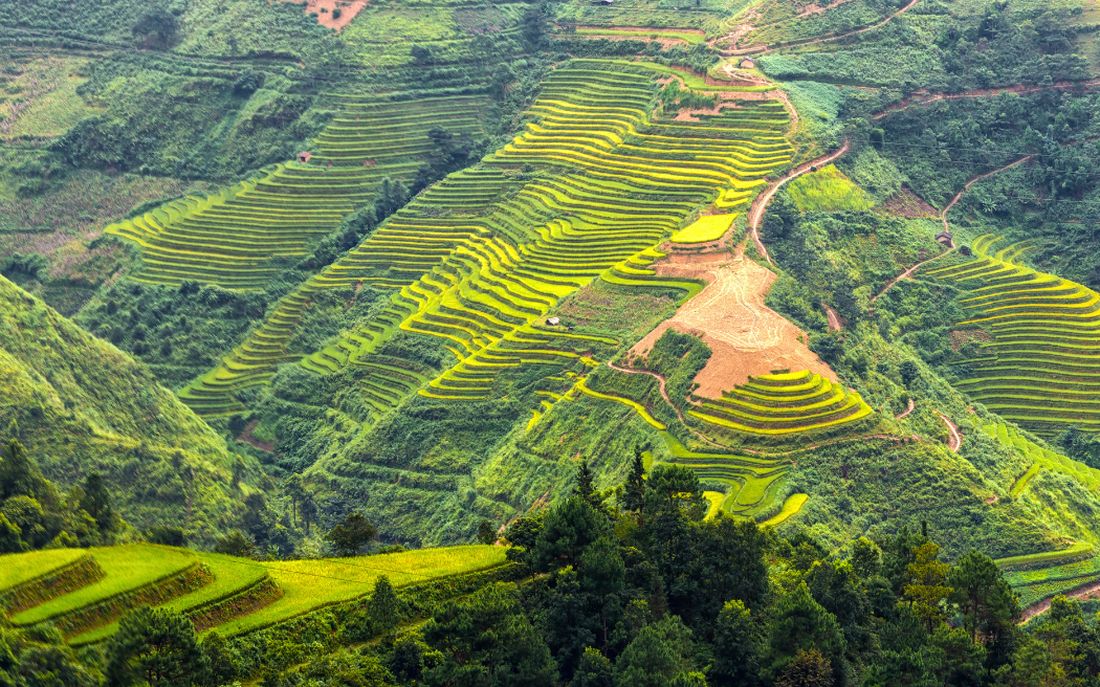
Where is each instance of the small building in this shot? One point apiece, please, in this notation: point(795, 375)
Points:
point(553, 321)
point(605, 3)
point(747, 63)
point(945, 238)
point(305, 156)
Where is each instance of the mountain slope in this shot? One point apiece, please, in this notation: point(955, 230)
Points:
point(80, 405)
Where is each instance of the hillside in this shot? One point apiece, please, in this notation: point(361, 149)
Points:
point(80, 406)
point(228, 594)
point(757, 343)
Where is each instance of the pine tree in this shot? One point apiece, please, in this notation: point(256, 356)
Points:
point(155, 647)
point(586, 487)
point(384, 609)
point(634, 493)
point(96, 502)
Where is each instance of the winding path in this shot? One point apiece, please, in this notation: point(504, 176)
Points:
point(909, 272)
point(954, 438)
point(1089, 590)
point(921, 98)
point(817, 40)
point(946, 225)
point(967, 185)
point(660, 385)
point(760, 203)
point(908, 410)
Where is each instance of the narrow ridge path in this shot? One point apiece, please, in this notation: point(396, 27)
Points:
point(817, 40)
point(919, 99)
point(967, 185)
point(908, 410)
point(908, 273)
point(660, 385)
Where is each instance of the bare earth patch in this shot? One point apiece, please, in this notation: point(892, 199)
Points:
point(324, 11)
point(960, 337)
point(745, 336)
point(907, 204)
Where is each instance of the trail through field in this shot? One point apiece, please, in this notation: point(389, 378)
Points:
point(954, 438)
point(921, 98)
point(908, 410)
point(764, 198)
point(967, 185)
point(817, 40)
point(247, 437)
point(1089, 590)
point(909, 272)
point(832, 317)
point(660, 385)
point(745, 336)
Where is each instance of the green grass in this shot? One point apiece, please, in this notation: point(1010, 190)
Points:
point(230, 574)
point(791, 507)
point(633, 405)
point(305, 584)
point(126, 567)
point(828, 190)
point(21, 567)
point(1021, 483)
point(1031, 560)
point(685, 35)
point(308, 584)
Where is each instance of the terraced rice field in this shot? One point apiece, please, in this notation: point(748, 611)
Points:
point(1038, 584)
point(747, 484)
point(705, 229)
point(586, 191)
point(233, 238)
point(782, 404)
point(139, 574)
point(1042, 367)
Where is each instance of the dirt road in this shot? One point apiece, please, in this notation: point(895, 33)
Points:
point(760, 203)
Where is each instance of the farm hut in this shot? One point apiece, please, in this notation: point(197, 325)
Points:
point(553, 321)
point(305, 156)
point(605, 3)
point(945, 238)
point(747, 63)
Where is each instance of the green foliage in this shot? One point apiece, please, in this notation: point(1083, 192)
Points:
point(155, 647)
point(83, 407)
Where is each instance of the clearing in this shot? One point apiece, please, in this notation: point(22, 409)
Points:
point(745, 336)
point(326, 11)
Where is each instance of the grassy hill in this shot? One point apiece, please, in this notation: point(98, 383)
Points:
point(84, 592)
point(80, 406)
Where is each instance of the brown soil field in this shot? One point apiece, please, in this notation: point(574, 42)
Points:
point(745, 336)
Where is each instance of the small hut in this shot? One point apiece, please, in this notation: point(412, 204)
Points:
point(553, 321)
point(944, 238)
point(305, 156)
point(747, 63)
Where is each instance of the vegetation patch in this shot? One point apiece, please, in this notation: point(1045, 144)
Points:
point(828, 190)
